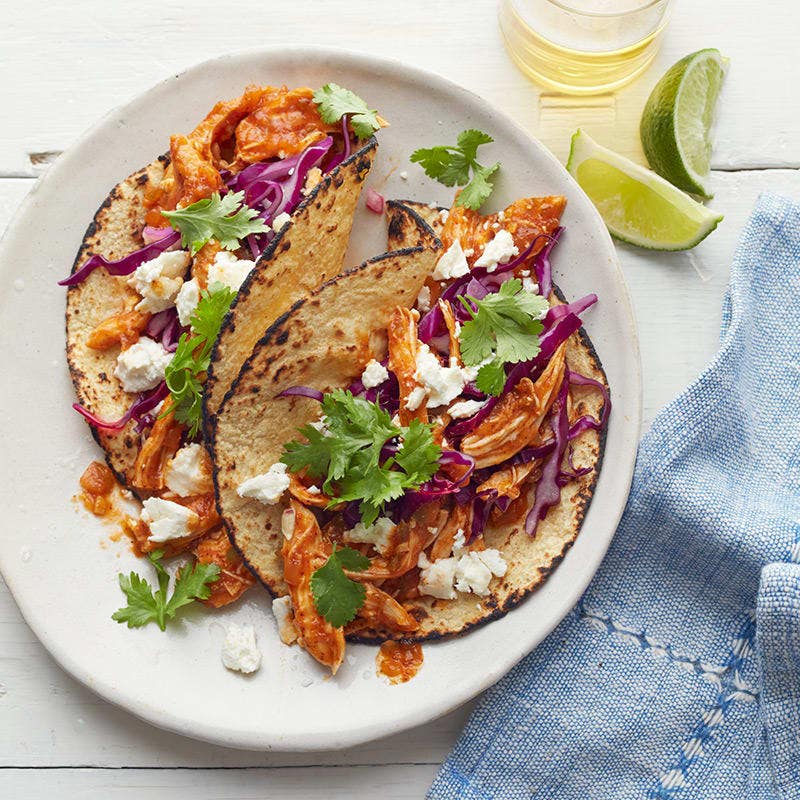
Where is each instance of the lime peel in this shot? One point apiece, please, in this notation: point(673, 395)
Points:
point(675, 128)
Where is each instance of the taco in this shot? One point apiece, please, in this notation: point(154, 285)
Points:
point(158, 269)
point(385, 463)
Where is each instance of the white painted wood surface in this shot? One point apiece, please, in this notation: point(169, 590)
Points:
point(64, 64)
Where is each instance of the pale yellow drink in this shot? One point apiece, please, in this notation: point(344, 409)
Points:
point(583, 46)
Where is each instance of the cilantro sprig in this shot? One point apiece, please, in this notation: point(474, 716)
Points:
point(226, 219)
point(349, 455)
point(145, 605)
point(337, 597)
point(451, 165)
point(185, 373)
point(503, 330)
point(334, 101)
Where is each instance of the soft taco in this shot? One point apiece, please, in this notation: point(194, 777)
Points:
point(166, 255)
point(408, 452)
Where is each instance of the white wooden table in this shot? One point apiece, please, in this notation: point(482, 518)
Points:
point(64, 64)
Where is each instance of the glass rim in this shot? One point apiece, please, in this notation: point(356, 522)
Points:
point(566, 5)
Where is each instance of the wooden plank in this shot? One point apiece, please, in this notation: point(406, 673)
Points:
point(100, 55)
point(404, 782)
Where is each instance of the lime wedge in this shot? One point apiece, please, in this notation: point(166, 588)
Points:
point(676, 121)
point(637, 205)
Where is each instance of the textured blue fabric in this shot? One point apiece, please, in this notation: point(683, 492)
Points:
point(678, 674)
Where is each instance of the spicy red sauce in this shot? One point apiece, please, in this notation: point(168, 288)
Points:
point(399, 661)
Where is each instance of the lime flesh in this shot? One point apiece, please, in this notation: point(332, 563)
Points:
point(637, 205)
point(676, 122)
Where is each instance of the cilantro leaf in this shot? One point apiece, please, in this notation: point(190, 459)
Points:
point(226, 219)
point(146, 605)
point(414, 456)
point(491, 378)
point(503, 330)
point(334, 101)
point(337, 597)
point(350, 455)
point(185, 373)
point(477, 191)
point(451, 165)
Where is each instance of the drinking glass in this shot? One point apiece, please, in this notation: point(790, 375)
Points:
point(583, 46)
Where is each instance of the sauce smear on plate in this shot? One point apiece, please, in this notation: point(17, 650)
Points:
point(399, 661)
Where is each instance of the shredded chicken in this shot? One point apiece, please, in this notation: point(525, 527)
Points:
point(157, 451)
point(507, 481)
point(202, 261)
point(234, 577)
point(264, 122)
point(300, 492)
point(403, 347)
point(413, 537)
point(524, 219)
point(460, 519)
point(119, 330)
point(452, 329)
point(382, 612)
point(303, 553)
point(515, 422)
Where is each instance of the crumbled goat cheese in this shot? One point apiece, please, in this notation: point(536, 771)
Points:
point(475, 569)
point(313, 178)
point(465, 408)
point(379, 534)
point(159, 280)
point(414, 399)
point(186, 301)
point(453, 264)
point(141, 367)
point(500, 250)
point(239, 650)
point(167, 520)
point(465, 571)
point(268, 487)
point(313, 490)
point(443, 215)
point(441, 384)
point(404, 175)
point(282, 611)
point(229, 270)
point(424, 299)
point(188, 473)
point(374, 374)
point(282, 219)
point(436, 578)
point(530, 285)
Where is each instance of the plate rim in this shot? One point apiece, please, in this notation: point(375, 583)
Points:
point(369, 731)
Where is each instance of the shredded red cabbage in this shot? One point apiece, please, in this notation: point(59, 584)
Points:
point(541, 264)
point(548, 490)
point(142, 405)
point(156, 324)
point(152, 234)
point(302, 391)
point(122, 266)
point(343, 154)
point(576, 307)
point(587, 422)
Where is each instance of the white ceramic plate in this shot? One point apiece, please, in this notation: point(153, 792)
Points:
point(58, 560)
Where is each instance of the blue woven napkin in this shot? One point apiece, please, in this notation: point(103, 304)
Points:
point(678, 674)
